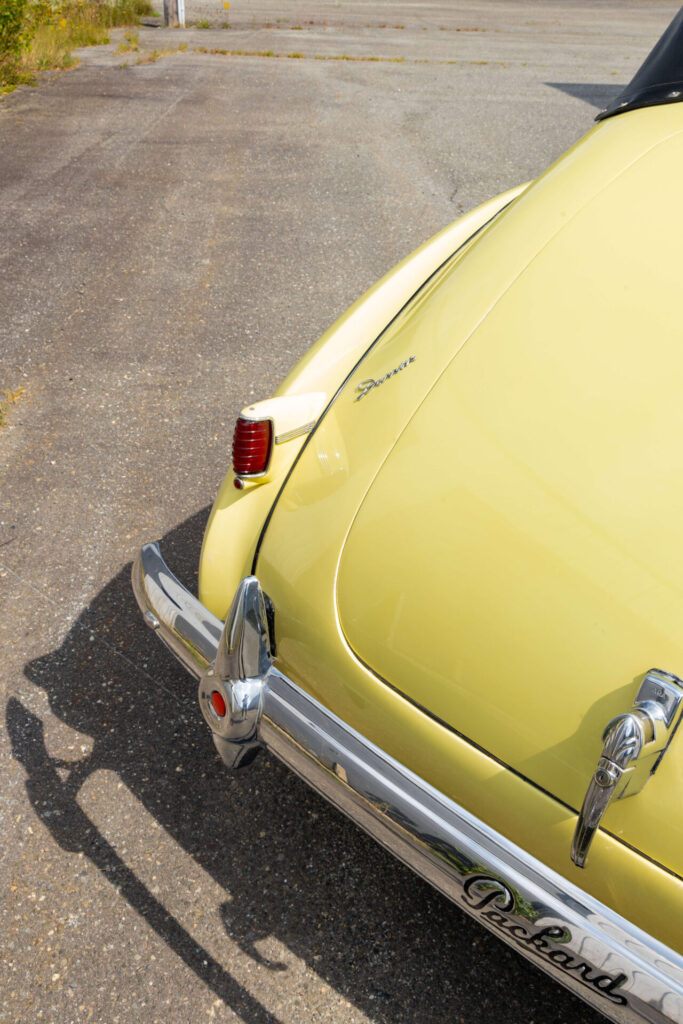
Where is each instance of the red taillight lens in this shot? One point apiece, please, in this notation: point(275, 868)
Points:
point(218, 704)
point(251, 446)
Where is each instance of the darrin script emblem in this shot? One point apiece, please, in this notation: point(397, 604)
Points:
point(366, 386)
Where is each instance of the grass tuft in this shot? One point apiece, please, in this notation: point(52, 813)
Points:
point(153, 55)
point(331, 57)
point(131, 42)
point(53, 28)
point(10, 398)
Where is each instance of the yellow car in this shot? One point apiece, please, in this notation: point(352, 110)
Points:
point(443, 580)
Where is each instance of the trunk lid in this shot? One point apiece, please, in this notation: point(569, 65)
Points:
point(516, 564)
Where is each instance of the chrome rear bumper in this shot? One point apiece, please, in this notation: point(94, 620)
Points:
point(625, 973)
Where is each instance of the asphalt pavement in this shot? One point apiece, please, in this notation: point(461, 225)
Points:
point(179, 223)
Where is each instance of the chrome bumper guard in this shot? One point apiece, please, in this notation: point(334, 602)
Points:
point(625, 973)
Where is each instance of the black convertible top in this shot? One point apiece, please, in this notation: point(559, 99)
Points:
point(659, 80)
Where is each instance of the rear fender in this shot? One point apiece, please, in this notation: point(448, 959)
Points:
point(238, 512)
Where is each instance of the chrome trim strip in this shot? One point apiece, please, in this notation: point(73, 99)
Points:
point(625, 973)
point(289, 435)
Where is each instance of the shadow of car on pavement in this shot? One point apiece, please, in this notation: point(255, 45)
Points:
point(295, 869)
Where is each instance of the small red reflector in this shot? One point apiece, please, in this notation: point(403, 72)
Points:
point(218, 703)
point(251, 446)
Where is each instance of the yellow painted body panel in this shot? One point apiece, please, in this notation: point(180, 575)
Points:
point(544, 461)
point(233, 529)
point(237, 516)
point(551, 523)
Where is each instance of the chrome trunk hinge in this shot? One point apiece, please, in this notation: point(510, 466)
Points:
point(633, 746)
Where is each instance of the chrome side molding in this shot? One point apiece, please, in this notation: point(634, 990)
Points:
point(633, 747)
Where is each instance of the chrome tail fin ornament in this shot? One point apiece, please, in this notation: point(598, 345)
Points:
point(231, 690)
point(633, 746)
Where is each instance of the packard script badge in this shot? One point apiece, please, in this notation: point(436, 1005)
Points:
point(495, 901)
point(366, 386)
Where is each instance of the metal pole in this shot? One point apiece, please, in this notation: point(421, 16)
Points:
point(171, 13)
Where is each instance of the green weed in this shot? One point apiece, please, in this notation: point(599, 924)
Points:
point(131, 42)
point(10, 398)
point(51, 29)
